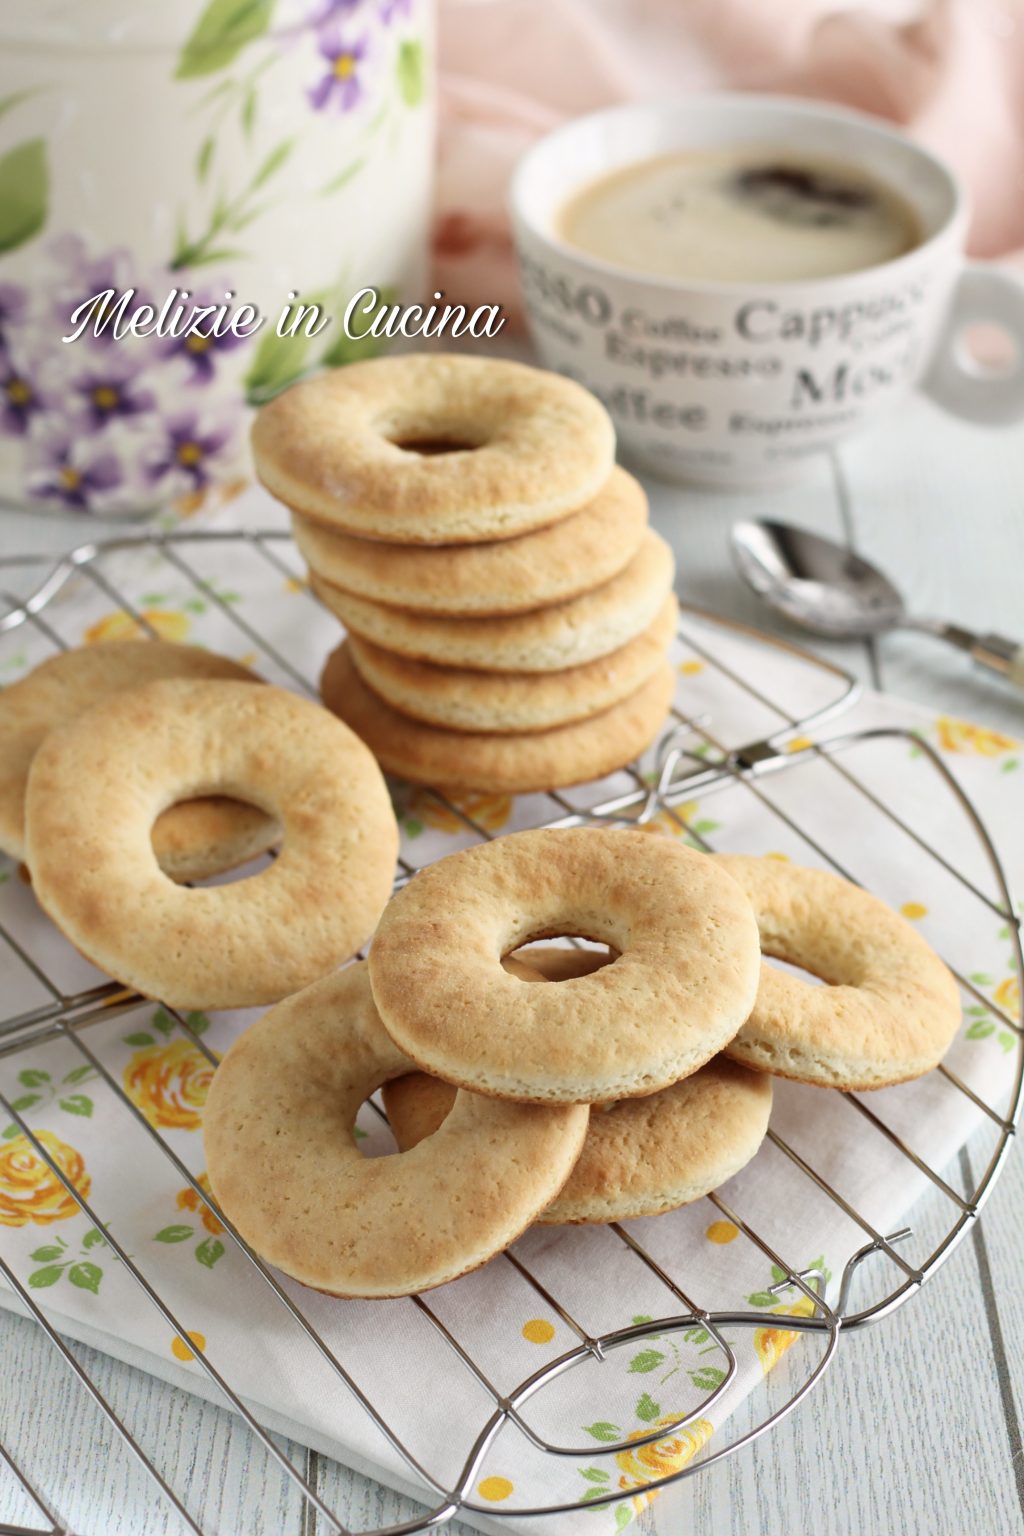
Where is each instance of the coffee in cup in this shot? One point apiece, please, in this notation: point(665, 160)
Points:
point(743, 213)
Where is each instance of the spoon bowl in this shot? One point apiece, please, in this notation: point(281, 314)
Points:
point(815, 582)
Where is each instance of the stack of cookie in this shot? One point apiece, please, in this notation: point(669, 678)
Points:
point(508, 609)
point(613, 1085)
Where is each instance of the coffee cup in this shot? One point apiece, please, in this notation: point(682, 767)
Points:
point(737, 383)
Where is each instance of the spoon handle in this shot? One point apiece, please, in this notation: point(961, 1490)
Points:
point(994, 652)
point(1001, 655)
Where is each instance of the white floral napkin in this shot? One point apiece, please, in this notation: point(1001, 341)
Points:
point(524, 1311)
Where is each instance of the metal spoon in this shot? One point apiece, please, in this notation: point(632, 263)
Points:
point(823, 587)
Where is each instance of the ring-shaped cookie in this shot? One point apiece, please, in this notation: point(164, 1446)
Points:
point(548, 640)
point(683, 983)
point(434, 449)
point(550, 565)
point(192, 840)
point(641, 1156)
point(98, 784)
point(889, 1007)
point(286, 1169)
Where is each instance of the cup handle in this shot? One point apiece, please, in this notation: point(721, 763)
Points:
point(984, 295)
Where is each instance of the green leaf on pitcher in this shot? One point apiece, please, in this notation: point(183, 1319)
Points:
point(279, 360)
point(411, 73)
point(647, 1409)
point(249, 111)
point(222, 31)
point(343, 177)
point(204, 159)
point(8, 103)
point(272, 164)
point(353, 349)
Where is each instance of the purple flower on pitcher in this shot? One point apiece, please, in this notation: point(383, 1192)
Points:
point(188, 450)
point(330, 11)
point(200, 352)
point(80, 276)
point(13, 307)
point(110, 390)
point(340, 86)
point(78, 480)
point(390, 10)
point(20, 397)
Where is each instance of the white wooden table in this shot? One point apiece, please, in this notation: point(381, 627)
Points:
point(916, 1428)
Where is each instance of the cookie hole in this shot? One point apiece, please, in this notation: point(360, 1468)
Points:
point(432, 447)
point(372, 1133)
point(565, 950)
point(794, 970)
point(214, 828)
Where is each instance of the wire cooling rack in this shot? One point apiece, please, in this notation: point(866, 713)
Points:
point(696, 757)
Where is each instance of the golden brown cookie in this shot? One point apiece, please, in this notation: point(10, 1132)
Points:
point(575, 555)
point(889, 1008)
point(684, 982)
point(516, 764)
point(192, 840)
point(641, 1156)
point(97, 785)
point(547, 640)
point(285, 1167)
point(509, 703)
point(434, 449)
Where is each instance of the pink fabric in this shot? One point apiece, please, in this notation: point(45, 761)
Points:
point(949, 71)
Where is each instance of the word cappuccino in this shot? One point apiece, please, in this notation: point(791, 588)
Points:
point(366, 315)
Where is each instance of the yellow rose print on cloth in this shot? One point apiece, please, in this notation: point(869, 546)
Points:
point(487, 811)
point(960, 736)
point(771, 1343)
point(121, 626)
point(787, 1301)
point(1007, 997)
point(30, 1190)
point(169, 1082)
point(661, 1457)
